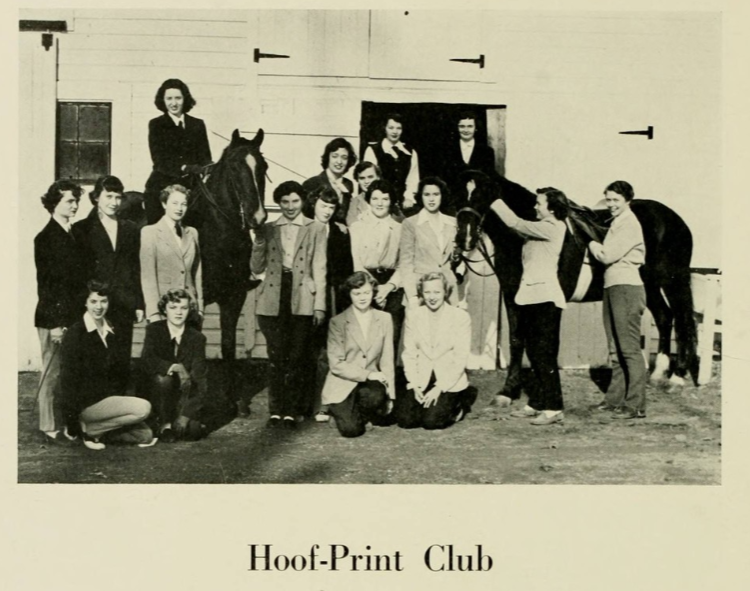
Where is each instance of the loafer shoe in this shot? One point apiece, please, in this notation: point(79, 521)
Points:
point(604, 407)
point(289, 424)
point(322, 417)
point(167, 435)
point(543, 419)
point(92, 443)
point(524, 413)
point(627, 413)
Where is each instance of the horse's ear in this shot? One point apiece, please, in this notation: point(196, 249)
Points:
point(258, 139)
point(235, 135)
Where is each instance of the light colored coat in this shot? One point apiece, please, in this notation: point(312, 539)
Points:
point(308, 272)
point(165, 266)
point(421, 253)
point(351, 357)
point(540, 255)
point(446, 354)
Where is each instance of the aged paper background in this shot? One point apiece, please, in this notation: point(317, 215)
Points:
point(584, 537)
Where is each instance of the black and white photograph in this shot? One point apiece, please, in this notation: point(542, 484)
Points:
point(478, 250)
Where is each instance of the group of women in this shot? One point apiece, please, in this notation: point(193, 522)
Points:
point(357, 298)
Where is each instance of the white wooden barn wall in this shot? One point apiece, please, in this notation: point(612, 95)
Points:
point(571, 82)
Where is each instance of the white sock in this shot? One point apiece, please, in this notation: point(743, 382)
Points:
point(551, 413)
point(529, 408)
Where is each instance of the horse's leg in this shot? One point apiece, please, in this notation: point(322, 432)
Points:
point(230, 309)
point(663, 319)
point(512, 387)
point(680, 296)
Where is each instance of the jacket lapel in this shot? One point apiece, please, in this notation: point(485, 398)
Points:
point(168, 237)
point(355, 330)
point(303, 230)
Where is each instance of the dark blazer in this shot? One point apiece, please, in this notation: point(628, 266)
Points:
point(158, 356)
point(339, 263)
point(60, 277)
point(321, 180)
point(89, 371)
point(172, 147)
point(482, 158)
point(120, 267)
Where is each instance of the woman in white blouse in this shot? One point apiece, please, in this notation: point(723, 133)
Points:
point(376, 240)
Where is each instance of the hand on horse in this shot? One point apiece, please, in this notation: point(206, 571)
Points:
point(56, 335)
point(139, 316)
point(193, 169)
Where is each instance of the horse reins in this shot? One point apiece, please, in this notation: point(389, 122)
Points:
point(480, 246)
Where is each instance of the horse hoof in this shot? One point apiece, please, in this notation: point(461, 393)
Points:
point(501, 401)
point(661, 368)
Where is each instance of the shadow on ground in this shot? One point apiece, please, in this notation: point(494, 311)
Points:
point(679, 443)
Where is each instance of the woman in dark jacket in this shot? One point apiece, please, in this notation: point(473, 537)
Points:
point(112, 248)
point(178, 144)
point(94, 379)
point(174, 364)
point(338, 158)
point(61, 283)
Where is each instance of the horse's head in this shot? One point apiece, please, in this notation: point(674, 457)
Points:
point(245, 171)
point(474, 194)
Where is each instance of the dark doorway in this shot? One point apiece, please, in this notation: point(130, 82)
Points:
point(429, 127)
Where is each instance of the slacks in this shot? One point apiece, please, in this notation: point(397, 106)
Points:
point(49, 392)
point(540, 330)
point(410, 414)
point(118, 412)
point(287, 340)
point(168, 397)
point(623, 307)
point(368, 402)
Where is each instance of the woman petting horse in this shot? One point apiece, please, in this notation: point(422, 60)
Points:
point(541, 301)
point(665, 274)
point(177, 141)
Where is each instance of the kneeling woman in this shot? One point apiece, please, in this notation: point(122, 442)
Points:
point(437, 340)
point(94, 377)
point(174, 364)
point(359, 386)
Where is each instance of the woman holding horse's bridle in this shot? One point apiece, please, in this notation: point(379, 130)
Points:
point(541, 300)
point(623, 252)
point(178, 144)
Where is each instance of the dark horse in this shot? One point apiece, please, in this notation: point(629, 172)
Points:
point(666, 274)
point(224, 207)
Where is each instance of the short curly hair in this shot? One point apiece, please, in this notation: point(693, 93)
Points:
point(623, 188)
point(337, 144)
point(439, 183)
point(435, 275)
point(55, 193)
point(355, 281)
point(169, 189)
point(188, 101)
point(174, 296)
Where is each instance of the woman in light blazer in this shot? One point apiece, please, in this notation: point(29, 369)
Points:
point(291, 252)
point(427, 240)
point(437, 340)
point(359, 387)
point(541, 301)
point(170, 255)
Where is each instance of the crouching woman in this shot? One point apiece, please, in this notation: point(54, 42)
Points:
point(94, 376)
point(359, 387)
point(437, 340)
point(174, 364)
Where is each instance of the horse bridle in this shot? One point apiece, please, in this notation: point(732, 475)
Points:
point(480, 246)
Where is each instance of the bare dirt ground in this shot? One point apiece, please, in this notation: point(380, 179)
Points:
point(679, 443)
